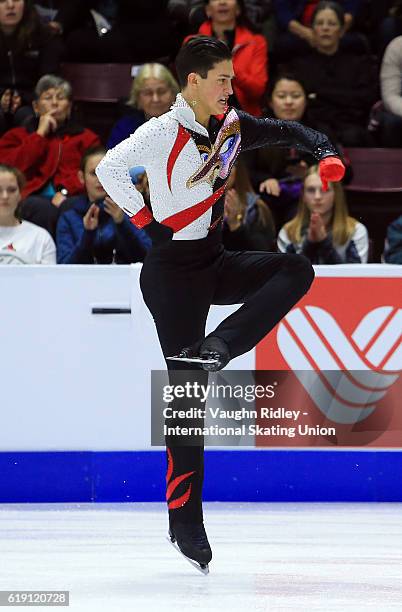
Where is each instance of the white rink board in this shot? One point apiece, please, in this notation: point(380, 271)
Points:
point(72, 380)
point(75, 381)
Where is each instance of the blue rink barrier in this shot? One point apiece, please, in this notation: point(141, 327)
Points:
point(257, 476)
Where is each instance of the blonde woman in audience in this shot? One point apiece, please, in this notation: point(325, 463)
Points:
point(322, 229)
point(21, 242)
point(153, 92)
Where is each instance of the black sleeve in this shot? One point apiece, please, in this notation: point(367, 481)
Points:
point(257, 132)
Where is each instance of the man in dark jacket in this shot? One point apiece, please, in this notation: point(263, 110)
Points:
point(92, 228)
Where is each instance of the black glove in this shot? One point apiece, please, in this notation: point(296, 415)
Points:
point(158, 233)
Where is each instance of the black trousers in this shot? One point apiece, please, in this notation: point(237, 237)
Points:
point(179, 282)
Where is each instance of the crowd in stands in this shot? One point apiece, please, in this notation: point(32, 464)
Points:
point(333, 66)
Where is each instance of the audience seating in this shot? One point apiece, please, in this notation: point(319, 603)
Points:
point(98, 82)
point(97, 88)
point(375, 193)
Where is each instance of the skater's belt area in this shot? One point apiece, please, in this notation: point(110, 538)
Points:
point(214, 238)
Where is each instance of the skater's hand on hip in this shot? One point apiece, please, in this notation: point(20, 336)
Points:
point(91, 219)
point(270, 186)
point(330, 169)
point(113, 210)
point(158, 232)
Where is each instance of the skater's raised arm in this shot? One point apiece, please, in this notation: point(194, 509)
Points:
point(257, 132)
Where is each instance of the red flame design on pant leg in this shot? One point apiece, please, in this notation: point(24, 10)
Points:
point(172, 486)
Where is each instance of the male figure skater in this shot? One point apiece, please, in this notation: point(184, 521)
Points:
point(188, 154)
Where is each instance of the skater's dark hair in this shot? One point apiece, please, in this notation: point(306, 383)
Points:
point(334, 6)
point(95, 150)
point(200, 54)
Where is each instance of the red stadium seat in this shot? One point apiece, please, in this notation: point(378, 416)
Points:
point(374, 195)
point(375, 170)
point(98, 82)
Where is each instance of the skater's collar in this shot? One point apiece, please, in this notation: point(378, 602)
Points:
point(184, 114)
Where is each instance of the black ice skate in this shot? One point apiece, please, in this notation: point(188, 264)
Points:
point(215, 349)
point(191, 540)
point(188, 355)
point(212, 354)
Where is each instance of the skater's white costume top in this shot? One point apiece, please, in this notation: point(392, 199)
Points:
point(188, 165)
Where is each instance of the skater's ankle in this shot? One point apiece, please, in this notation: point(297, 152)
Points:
point(216, 348)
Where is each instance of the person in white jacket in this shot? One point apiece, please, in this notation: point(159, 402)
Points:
point(188, 154)
point(21, 242)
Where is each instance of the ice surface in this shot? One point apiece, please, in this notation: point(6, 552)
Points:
point(266, 557)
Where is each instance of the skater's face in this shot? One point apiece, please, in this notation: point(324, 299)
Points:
point(222, 11)
point(155, 97)
point(288, 100)
point(10, 197)
point(54, 101)
point(11, 12)
point(212, 93)
point(315, 198)
point(93, 187)
point(328, 31)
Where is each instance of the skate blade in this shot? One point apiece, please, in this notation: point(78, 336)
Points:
point(203, 569)
point(194, 360)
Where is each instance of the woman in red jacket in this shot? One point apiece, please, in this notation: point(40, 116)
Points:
point(48, 151)
point(250, 53)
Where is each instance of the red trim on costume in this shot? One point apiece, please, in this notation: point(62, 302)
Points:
point(141, 218)
point(181, 140)
point(175, 483)
point(170, 465)
point(180, 501)
point(187, 216)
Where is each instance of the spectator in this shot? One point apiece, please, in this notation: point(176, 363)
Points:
point(341, 86)
point(93, 229)
point(295, 35)
point(322, 229)
point(153, 91)
point(48, 150)
point(137, 32)
point(277, 173)
point(393, 242)
point(248, 223)
point(61, 15)
point(387, 19)
point(193, 11)
point(27, 51)
point(391, 93)
point(20, 241)
point(250, 53)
